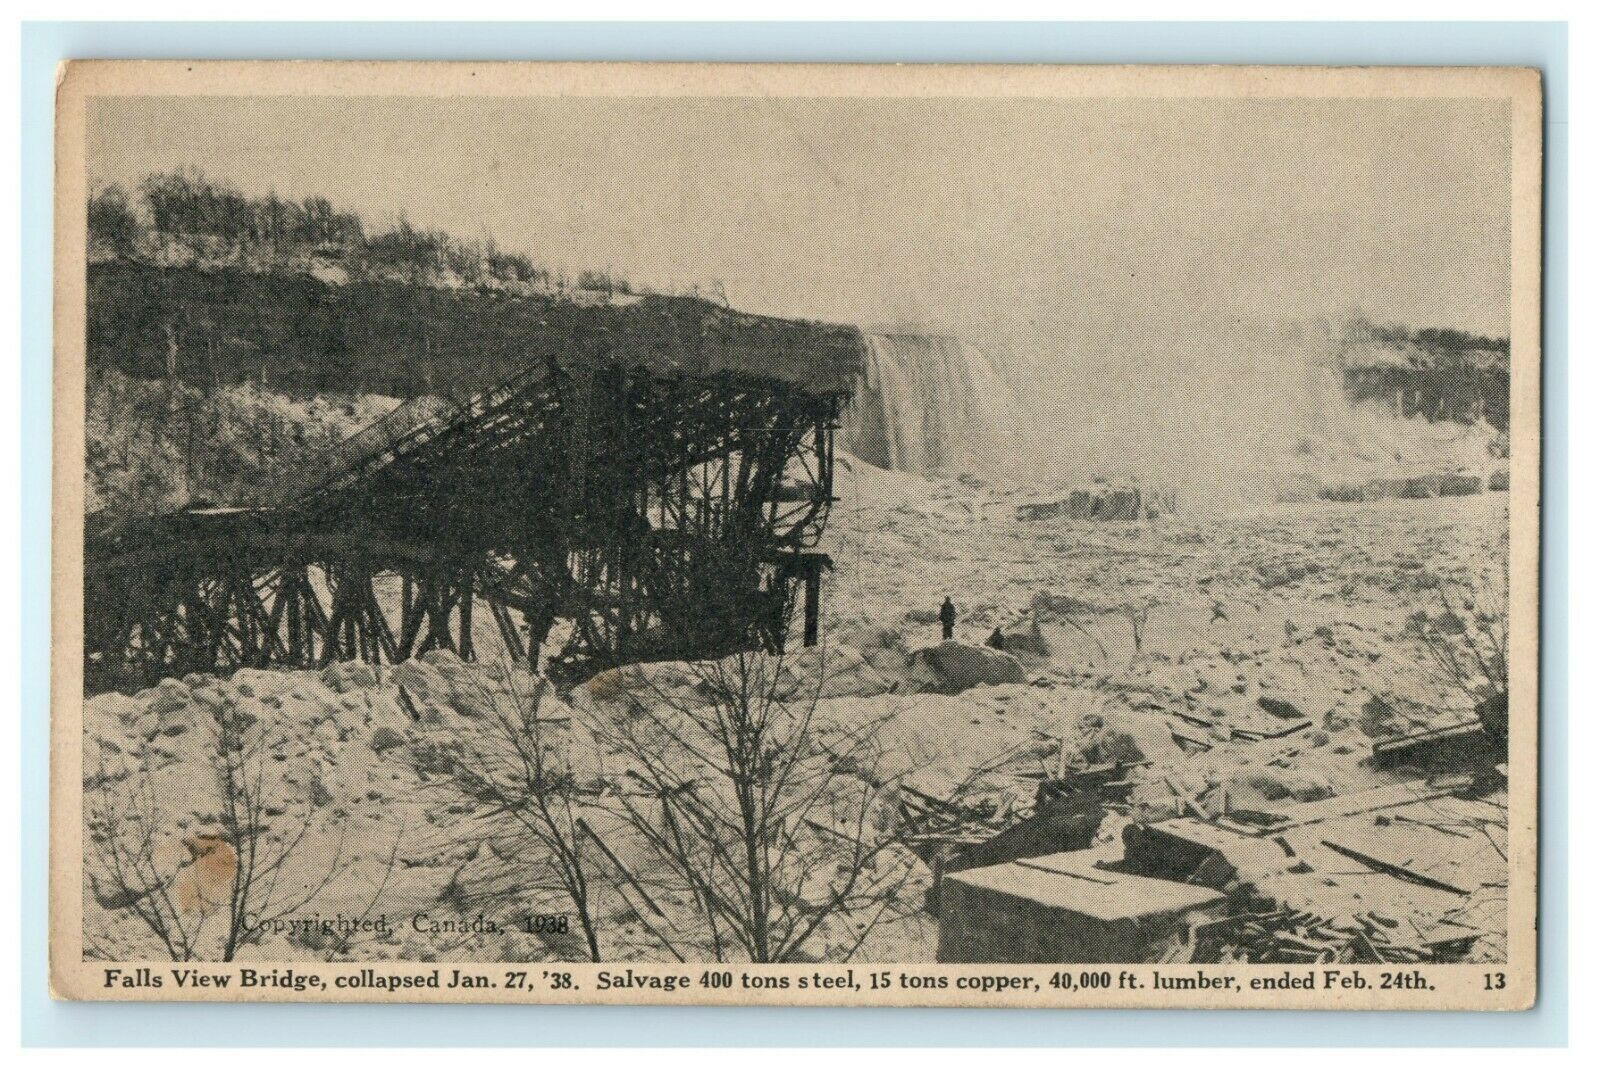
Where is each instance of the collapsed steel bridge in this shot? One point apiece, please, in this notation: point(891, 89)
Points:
point(584, 516)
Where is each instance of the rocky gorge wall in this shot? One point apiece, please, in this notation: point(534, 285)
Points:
point(211, 382)
point(299, 334)
point(1432, 373)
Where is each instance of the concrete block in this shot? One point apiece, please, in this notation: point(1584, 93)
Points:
point(1060, 908)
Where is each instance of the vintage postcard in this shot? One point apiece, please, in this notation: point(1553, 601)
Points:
point(780, 534)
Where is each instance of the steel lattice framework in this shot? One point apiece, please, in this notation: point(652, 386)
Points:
point(652, 514)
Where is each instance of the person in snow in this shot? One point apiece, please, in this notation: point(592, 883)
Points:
point(996, 639)
point(947, 618)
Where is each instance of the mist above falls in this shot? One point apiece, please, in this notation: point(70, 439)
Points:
point(1224, 415)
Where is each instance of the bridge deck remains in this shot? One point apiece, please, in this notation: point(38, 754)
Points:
point(587, 517)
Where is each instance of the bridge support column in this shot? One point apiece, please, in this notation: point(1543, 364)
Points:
point(813, 608)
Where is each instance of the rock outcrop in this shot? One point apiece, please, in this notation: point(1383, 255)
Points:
point(952, 667)
point(1101, 502)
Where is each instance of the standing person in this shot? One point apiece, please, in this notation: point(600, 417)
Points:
point(947, 618)
point(996, 640)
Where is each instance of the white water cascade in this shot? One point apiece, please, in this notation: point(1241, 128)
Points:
point(928, 402)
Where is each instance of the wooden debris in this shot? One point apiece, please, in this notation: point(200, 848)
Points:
point(1457, 746)
point(1289, 935)
point(1399, 872)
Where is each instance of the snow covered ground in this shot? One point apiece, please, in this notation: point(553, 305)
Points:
point(1183, 641)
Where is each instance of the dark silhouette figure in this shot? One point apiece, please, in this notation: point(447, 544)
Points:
point(947, 618)
point(996, 639)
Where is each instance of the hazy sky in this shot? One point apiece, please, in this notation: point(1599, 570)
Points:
point(1016, 219)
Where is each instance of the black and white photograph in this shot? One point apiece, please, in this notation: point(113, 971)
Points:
point(624, 533)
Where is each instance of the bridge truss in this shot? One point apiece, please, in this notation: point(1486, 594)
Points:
point(578, 519)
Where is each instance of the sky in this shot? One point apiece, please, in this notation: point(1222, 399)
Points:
point(1061, 224)
point(1157, 280)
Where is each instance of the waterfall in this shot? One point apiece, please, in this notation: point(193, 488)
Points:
point(926, 402)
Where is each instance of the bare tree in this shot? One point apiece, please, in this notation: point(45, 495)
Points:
point(764, 820)
point(131, 871)
point(512, 766)
point(236, 879)
point(246, 792)
point(1467, 640)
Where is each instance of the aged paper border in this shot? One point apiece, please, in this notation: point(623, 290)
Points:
point(1455, 987)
